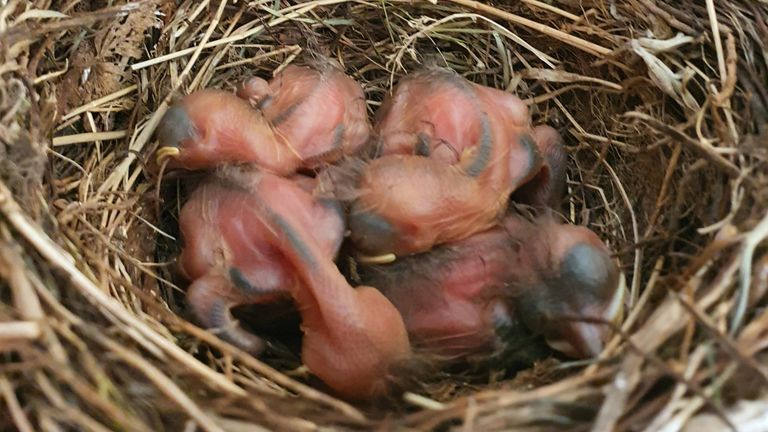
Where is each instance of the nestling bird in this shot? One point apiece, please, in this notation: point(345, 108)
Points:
point(319, 111)
point(448, 155)
point(227, 252)
point(303, 118)
point(254, 237)
point(457, 299)
point(564, 284)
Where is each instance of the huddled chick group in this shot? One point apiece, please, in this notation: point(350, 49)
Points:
point(446, 263)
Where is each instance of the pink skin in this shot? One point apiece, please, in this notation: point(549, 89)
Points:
point(305, 117)
point(456, 297)
point(281, 242)
point(449, 296)
point(410, 203)
point(439, 114)
point(212, 128)
point(227, 254)
point(548, 186)
point(450, 154)
point(320, 112)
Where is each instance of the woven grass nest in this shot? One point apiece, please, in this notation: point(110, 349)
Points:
point(662, 106)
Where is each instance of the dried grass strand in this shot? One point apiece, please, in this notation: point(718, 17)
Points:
point(294, 13)
point(64, 262)
point(566, 38)
point(704, 149)
point(14, 407)
point(162, 383)
point(88, 137)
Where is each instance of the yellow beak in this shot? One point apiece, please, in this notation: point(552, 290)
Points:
point(164, 153)
point(379, 259)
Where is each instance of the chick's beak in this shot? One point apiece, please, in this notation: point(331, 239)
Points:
point(579, 340)
point(388, 258)
point(175, 128)
point(596, 296)
point(586, 339)
point(166, 152)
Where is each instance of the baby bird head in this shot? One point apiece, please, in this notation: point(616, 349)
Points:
point(568, 289)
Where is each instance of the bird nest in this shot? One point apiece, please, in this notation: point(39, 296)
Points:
point(662, 107)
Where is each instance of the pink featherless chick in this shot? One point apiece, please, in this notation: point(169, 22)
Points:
point(448, 154)
point(460, 299)
point(302, 118)
point(254, 237)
